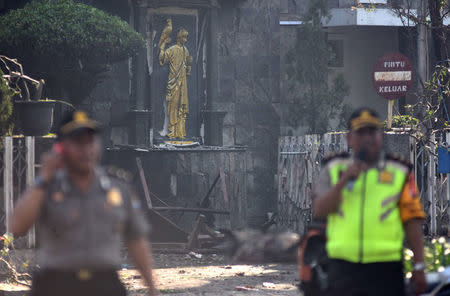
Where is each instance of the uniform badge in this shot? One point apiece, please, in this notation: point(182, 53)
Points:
point(58, 196)
point(84, 274)
point(386, 177)
point(114, 197)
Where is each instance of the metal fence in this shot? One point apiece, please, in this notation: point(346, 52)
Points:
point(17, 170)
point(434, 187)
point(299, 165)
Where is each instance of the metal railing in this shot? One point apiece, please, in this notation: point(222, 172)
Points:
point(411, 4)
point(299, 165)
point(17, 169)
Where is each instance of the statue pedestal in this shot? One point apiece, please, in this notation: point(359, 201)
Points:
point(182, 178)
point(213, 127)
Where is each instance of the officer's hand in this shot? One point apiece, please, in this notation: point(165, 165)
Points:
point(419, 282)
point(354, 170)
point(50, 163)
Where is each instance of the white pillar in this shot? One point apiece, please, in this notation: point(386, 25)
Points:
point(8, 180)
point(422, 46)
point(29, 142)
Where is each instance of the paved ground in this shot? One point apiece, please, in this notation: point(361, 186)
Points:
point(210, 275)
point(182, 275)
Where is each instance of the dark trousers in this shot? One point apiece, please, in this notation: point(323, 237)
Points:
point(372, 279)
point(67, 283)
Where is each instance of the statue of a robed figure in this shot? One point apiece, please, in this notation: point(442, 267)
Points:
point(176, 105)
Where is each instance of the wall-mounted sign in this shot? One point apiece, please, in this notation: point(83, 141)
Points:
point(392, 76)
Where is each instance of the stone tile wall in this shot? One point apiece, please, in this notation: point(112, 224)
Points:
point(248, 67)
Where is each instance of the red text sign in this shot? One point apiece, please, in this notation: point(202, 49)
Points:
point(392, 76)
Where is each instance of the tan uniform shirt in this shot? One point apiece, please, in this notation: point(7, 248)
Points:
point(86, 230)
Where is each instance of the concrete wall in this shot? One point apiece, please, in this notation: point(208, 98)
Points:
point(362, 47)
point(247, 39)
point(109, 103)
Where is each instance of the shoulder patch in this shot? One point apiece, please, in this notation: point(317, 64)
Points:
point(332, 156)
point(120, 174)
point(399, 159)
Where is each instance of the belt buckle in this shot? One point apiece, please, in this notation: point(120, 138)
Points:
point(84, 274)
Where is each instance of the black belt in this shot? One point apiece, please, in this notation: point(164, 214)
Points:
point(77, 282)
point(81, 274)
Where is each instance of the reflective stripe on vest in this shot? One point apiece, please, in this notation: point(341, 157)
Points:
point(367, 227)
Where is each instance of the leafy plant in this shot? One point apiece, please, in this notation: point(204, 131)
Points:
point(6, 107)
point(68, 44)
point(429, 114)
point(403, 121)
point(14, 84)
point(6, 258)
point(318, 102)
point(437, 256)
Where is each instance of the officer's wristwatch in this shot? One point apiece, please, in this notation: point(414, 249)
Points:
point(41, 183)
point(419, 266)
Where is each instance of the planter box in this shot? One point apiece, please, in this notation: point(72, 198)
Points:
point(34, 118)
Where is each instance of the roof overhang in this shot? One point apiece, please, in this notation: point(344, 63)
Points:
point(178, 3)
point(290, 23)
point(383, 17)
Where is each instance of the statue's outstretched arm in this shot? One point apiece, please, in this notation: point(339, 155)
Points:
point(163, 41)
point(162, 54)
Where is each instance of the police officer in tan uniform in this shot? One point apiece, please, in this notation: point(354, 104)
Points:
point(82, 213)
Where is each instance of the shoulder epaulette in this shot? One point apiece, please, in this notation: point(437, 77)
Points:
point(335, 155)
point(118, 173)
point(400, 159)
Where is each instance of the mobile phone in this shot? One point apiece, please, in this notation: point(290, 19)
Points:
point(58, 148)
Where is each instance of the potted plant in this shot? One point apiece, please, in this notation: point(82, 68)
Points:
point(34, 116)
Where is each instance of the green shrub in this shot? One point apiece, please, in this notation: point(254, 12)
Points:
point(403, 121)
point(69, 44)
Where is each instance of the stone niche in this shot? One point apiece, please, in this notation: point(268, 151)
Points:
point(179, 177)
point(159, 20)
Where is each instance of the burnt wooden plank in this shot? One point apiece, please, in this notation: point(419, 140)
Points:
point(195, 210)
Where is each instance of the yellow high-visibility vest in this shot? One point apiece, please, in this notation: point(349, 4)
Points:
point(367, 228)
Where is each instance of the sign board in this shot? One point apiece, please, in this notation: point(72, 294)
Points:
point(392, 76)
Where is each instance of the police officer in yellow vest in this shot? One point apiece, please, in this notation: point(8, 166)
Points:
point(83, 212)
point(371, 203)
